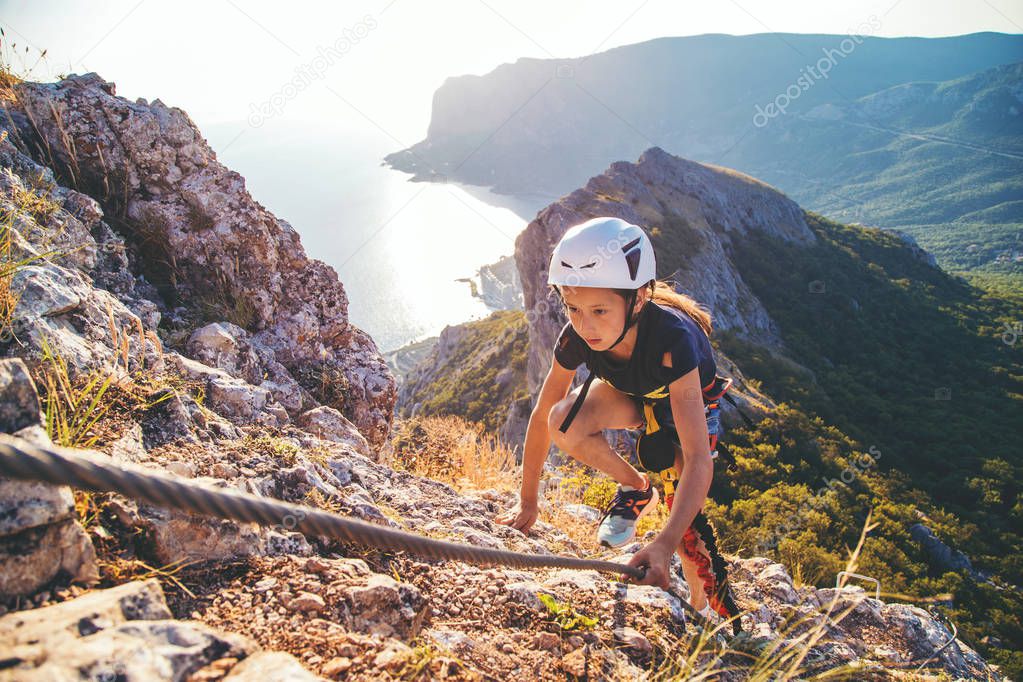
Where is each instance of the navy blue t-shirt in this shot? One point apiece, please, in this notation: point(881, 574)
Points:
point(661, 329)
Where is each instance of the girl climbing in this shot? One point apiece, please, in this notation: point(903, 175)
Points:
point(649, 347)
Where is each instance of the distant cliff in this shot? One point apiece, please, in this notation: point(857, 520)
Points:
point(916, 133)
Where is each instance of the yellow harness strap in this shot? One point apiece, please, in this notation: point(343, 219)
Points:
point(669, 477)
point(651, 421)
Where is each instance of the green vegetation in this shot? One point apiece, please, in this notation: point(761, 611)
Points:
point(565, 615)
point(674, 242)
point(954, 182)
point(86, 408)
point(903, 402)
point(467, 383)
point(984, 254)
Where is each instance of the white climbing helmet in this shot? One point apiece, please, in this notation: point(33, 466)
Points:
point(603, 252)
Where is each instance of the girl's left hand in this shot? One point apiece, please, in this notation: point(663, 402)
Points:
point(656, 558)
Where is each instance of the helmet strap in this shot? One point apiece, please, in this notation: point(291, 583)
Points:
point(628, 319)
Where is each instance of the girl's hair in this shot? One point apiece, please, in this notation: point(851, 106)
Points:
point(665, 294)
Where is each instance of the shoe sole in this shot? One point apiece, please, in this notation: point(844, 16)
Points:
point(654, 499)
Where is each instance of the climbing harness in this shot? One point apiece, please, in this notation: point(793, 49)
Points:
point(30, 462)
point(577, 404)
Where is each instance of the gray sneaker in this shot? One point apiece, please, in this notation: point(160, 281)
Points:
point(628, 506)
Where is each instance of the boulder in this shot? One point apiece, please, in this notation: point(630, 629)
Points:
point(383, 606)
point(329, 424)
point(40, 538)
point(123, 633)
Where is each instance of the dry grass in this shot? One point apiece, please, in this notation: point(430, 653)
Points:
point(84, 409)
point(454, 451)
point(115, 551)
point(327, 382)
point(24, 202)
point(16, 66)
point(118, 570)
point(35, 199)
point(8, 268)
point(462, 454)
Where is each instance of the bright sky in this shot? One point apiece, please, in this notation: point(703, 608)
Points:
point(220, 59)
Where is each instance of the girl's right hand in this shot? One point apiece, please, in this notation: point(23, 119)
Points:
point(520, 517)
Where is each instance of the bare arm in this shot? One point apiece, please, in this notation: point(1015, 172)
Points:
point(538, 442)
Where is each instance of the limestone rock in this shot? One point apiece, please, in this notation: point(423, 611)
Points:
point(123, 633)
point(270, 666)
point(228, 347)
point(329, 424)
point(779, 583)
point(634, 640)
point(386, 607)
point(19, 401)
point(227, 248)
point(34, 557)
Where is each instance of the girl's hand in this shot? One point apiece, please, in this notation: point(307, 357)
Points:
point(520, 517)
point(656, 558)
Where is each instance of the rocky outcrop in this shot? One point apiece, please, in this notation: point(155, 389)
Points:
point(40, 537)
point(914, 248)
point(945, 557)
point(128, 633)
point(204, 239)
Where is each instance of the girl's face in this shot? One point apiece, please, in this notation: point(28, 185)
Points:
point(596, 314)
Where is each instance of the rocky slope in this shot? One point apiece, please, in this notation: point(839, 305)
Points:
point(476, 371)
point(201, 238)
point(219, 391)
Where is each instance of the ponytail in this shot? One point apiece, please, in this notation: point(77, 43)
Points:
point(666, 295)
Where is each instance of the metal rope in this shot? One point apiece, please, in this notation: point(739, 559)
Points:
point(30, 462)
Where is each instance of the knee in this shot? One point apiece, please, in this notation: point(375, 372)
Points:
point(555, 418)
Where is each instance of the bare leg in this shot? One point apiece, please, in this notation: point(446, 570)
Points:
point(697, 596)
point(603, 408)
point(697, 599)
point(594, 450)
